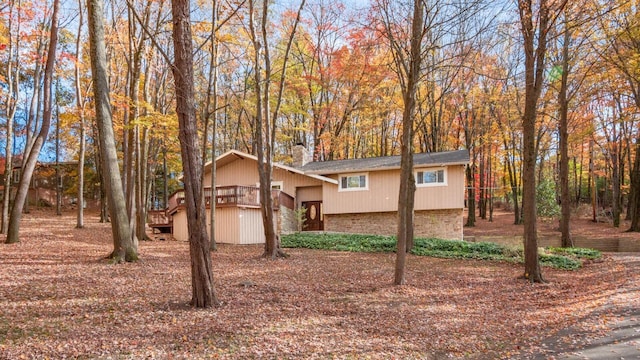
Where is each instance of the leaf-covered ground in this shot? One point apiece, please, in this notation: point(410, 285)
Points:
point(60, 299)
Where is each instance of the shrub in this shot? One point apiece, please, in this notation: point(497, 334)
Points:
point(580, 253)
point(559, 262)
point(560, 258)
point(546, 201)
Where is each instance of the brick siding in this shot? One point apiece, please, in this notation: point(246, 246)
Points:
point(442, 224)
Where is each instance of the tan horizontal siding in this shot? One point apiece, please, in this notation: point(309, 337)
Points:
point(443, 197)
point(382, 194)
point(245, 173)
point(311, 193)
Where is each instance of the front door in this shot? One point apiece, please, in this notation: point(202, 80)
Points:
point(314, 219)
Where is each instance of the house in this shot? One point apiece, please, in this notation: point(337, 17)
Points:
point(45, 178)
point(238, 216)
point(354, 196)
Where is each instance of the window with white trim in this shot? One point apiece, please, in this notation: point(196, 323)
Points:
point(275, 185)
point(431, 177)
point(353, 182)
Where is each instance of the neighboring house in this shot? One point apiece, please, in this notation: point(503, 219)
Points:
point(354, 196)
point(42, 188)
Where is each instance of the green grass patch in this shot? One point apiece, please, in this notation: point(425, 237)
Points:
point(559, 258)
point(580, 253)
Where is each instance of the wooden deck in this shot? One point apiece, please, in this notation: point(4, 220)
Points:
point(160, 221)
point(226, 196)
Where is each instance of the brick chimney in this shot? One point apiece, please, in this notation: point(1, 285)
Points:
point(301, 156)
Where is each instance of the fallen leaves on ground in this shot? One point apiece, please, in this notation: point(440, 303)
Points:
point(59, 299)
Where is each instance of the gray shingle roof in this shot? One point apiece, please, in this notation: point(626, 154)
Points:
point(458, 157)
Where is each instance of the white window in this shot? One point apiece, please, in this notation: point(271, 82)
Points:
point(277, 185)
point(431, 177)
point(354, 182)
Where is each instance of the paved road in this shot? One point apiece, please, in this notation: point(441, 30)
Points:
point(623, 339)
point(623, 342)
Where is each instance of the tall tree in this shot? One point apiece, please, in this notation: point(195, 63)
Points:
point(622, 48)
point(407, 63)
point(563, 129)
point(211, 108)
point(411, 70)
point(80, 105)
point(31, 157)
point(203, 292)
point(265, 125)
point(11, 106)
point(572, 68)
point(536, 19)
point(123, 248)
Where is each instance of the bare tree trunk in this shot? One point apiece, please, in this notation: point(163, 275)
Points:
point(615, 184)
point(213, 70)
point(33, 119)
point(262, 132)
point(29, 164)
point(491, 186)
point(165, 176)
point(635, 215)
point(123, 248)
point(482, 204)
point(593, 186)
point(58, 175)
point(511, 172)
point(11, 106)
point(137, 153)
point(80, 108)
point(471, 195)
point(148, 150)
point(630, 196)
point(407, 180)
point(534, 31)
point(203, 292)
point(565, 198)
point(265, 128)
point(104, 206)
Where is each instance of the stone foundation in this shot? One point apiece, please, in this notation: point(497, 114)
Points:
point(287, 221)
point(442, 224)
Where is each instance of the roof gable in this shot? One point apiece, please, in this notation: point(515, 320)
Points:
point(458, 157)
point(233, 155)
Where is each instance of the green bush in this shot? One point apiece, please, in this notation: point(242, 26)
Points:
point(559, 262)
point(580, 253)
point(457, 249)
point(340, 242)
point(546, 201)
point(560, 258)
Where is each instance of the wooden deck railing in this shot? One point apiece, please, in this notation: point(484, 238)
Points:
point(158, 217)
point(160, 220)
point(229, 196)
